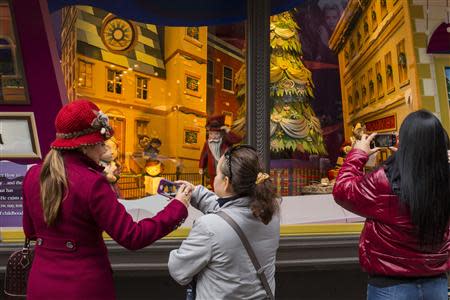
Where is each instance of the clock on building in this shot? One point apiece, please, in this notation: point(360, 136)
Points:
point(118, 34)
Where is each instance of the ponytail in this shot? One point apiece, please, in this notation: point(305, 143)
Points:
point(264, 202)
point(53, 184)
point(248, 179)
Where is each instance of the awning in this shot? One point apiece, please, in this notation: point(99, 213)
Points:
point(440, 40)
point(177, 12)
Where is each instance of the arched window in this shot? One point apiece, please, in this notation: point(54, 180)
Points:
point(6, 57)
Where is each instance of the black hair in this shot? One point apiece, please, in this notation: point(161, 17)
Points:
point(419, 174)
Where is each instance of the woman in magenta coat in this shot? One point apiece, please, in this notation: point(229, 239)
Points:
point(68, 203)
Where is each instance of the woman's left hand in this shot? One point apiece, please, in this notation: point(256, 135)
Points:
point(364, 144)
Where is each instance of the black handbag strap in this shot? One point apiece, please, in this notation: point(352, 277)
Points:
point(251, 253)
point(26, 244)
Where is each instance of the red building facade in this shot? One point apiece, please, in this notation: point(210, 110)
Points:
point(224, 60)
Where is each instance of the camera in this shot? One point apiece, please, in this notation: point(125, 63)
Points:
point(167, 188)
point(384, 140)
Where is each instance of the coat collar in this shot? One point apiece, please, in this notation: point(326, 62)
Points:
point(238, 202)
point(78, 158)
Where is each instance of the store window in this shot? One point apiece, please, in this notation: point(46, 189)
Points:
point(197, 73)
point(227, 79)
point(114, 82)
point(141, 88)
point(85, 74)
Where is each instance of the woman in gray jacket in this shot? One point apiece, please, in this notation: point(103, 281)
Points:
point(213, 253)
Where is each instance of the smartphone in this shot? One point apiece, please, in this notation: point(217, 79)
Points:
point(167, 188)
point(384, 140)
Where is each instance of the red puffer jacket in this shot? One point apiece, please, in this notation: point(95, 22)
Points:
point(388, 244)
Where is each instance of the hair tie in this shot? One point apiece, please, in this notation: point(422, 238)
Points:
point(261, 177)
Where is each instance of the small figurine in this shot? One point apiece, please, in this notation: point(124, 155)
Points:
point(358, 132)
point(109, 161)
point(219, 139)
point(150, 146)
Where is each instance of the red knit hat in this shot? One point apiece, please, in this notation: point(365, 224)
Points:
point(80, 123)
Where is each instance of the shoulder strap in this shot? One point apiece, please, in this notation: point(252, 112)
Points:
point(251, 253)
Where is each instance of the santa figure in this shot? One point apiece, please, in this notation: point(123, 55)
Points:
point(219, 138)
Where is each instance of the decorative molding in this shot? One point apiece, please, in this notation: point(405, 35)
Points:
point(187, 110)
point(186, 55)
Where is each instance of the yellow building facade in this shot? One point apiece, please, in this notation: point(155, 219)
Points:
point(148, 80)
point(385, 71)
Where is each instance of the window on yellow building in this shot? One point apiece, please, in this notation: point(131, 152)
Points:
point(114, 82)
point(227, 78)
point(210, 73)
point(142, 127)
point(84, 74)
point(141, 88)
point(141, 131)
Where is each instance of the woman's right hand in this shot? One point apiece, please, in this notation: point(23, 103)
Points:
point(184, 194)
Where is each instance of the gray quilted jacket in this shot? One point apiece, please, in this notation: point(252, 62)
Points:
point(214, 252)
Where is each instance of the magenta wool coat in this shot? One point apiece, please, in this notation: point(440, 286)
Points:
point(71, 259)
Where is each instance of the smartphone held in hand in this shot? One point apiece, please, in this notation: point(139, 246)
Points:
point(384, 140)
point(167, 188)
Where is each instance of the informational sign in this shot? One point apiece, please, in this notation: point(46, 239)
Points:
point(11, 178)
point(388, 123)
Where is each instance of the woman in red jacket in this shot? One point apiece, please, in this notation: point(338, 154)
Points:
point(404, 245)
point(68, 203)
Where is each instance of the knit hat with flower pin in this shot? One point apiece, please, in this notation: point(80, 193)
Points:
point(80, 123)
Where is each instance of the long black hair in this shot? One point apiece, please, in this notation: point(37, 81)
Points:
point(419, 175)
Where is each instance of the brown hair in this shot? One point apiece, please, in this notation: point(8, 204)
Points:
point(245, 168)
point(53, 183)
